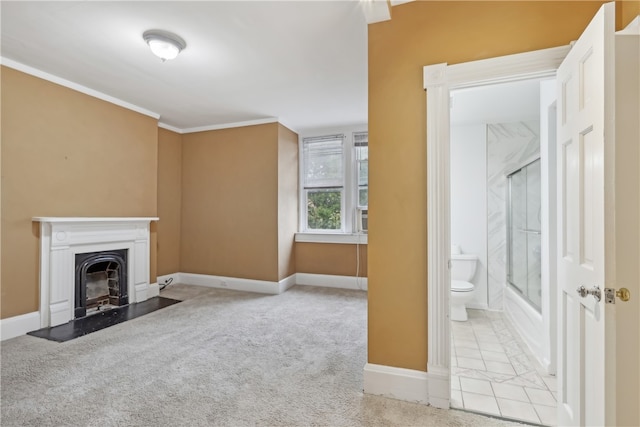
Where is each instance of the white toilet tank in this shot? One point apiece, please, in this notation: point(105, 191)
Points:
point(463, 266)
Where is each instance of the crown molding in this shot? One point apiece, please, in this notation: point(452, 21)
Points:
point(75, 86)
point(108, 98)
point(231, 125)
point(376, 10)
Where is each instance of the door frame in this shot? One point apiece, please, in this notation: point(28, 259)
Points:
point(439, 80)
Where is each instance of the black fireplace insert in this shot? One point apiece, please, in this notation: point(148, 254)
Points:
point(101, 281)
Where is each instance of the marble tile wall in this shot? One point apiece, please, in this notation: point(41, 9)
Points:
point(509, 145)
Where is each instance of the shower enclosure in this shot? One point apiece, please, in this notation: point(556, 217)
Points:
point(524, 232)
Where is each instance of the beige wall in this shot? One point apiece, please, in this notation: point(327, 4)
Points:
point(331, 258)
point(1, 69)
point(287, 200)
point(240, 208)
point(169, 200)
point(230, 202)
point(65, 154)
point(624, 271)
point(626, 11)
point(419, 34)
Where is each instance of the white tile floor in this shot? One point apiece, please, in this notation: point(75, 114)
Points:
point(493, 371)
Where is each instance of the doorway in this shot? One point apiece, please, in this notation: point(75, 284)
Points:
point(501, 357)
point(579, 350)
point(439, 79)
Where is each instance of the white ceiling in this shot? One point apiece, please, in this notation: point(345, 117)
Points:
point(301, 62)
point(499, 103)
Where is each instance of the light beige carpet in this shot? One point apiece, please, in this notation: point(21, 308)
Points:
point(219, 358)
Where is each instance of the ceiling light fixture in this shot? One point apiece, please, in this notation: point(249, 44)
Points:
point(163, 44)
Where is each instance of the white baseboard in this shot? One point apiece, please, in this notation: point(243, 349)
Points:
point(396, 383)
point(332, 281)
point(153, 290)
point(439, 386)
point(266, 287)
point(286, 283)
point(163, 279)
point(236, 284)
point(19, 325)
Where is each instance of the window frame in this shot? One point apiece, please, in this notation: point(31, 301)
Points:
point(362, 211)
point(349, 203)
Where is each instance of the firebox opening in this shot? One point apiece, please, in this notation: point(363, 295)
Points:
point(103, 287)
point(101, 281)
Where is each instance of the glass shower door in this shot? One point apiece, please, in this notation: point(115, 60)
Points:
point(524, 232)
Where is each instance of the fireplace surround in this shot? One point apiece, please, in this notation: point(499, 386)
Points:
point(62, 238)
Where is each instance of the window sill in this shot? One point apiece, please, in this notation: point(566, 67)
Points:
point(342, 238)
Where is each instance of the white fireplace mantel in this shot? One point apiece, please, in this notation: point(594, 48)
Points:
point(61, 238)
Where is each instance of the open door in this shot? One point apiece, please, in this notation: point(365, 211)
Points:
point(587, 227)
point(582, 79)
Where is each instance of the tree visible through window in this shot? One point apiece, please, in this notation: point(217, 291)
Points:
point(324, 182)
point(323, 210)
point(334, 193)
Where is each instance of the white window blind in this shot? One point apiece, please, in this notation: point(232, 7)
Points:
point(323, 182)
point(361, 146)
point(323, 162)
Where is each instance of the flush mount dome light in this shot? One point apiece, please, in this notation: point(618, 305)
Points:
point(163, 44)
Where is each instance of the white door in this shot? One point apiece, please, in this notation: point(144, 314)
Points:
point(583, 81)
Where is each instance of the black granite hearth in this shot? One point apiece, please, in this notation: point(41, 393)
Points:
point(95, 322)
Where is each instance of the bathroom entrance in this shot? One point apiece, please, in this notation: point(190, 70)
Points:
point(502, 171)
point(587, 195)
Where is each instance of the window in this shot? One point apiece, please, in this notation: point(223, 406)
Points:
point(334, 183)
point(323, 187)
point(361, 147)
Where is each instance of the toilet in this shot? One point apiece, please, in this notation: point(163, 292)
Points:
point(463, 268)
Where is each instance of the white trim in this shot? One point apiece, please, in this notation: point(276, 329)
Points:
point(399, 2)
point(226, 125)
point(349, 205)
point(632, 29)
point(171, 128)
point(340, 238)
point(397, 383)
point(332, 281)
point(501, 69)
point(291, 128)
point(438, 223)
point(237, 284)
point(438, 80)
point(376, 10)
point(119, 102)
point(230, 125)
point(439, 383)
point(153, 290)
point(75, 86)
point(93, 219)
point(162, 279)
point(61, 238)
point(19, 325)
point(286, 283)
point(266, 287)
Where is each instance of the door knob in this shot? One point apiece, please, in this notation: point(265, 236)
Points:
point(623, 294)
point(595, 291)
point(611, 294)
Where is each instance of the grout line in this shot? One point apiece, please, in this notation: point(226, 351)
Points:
point(514, 340)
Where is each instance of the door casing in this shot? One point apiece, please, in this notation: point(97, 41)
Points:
point(439, 80)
